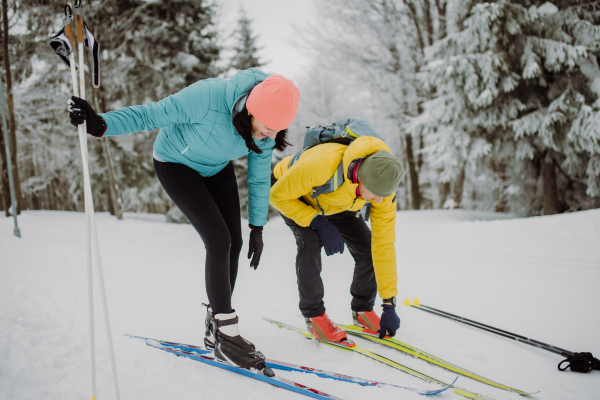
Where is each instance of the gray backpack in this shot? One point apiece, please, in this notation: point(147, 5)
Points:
point(343, 132)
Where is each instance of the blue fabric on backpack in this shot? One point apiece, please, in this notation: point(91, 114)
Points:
point(197, 131)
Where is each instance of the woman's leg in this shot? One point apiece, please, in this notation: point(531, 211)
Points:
point(224, 190)
point(189, 191)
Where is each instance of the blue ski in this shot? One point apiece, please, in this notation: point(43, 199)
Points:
point(280, 365)
point(275, 380)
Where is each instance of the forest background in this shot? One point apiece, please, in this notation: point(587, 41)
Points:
point(489, 105)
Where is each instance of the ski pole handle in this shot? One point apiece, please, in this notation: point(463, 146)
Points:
point(79, 21)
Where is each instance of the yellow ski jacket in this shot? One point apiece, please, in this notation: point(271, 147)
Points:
point(314, 168)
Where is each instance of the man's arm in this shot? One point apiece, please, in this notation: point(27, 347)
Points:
point(383, 234)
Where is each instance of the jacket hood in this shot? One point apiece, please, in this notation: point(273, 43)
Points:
point(241, 84)
point(362, 147)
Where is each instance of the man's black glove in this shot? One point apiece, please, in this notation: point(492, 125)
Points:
point(390, 322)
point(329, 235)
point(80, 111)
point(255, 245)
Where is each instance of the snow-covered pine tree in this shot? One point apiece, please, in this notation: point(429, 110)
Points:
point(152, 49)
point(149, 50)
point(518, 87)
point(245, 56)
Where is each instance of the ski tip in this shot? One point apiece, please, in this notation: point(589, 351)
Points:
point(406, 302)
point(416, 302)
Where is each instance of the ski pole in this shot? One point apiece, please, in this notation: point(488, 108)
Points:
point(579, 362)
point(88, 205)
point(84, 36)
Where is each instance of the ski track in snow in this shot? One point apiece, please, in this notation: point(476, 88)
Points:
point(537, 277)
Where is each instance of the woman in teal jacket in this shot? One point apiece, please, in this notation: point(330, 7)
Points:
point(203, 128)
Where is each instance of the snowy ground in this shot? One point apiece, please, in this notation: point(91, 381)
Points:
point(538, 277)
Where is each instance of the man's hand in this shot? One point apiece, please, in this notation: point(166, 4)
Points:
point(329, 235)
point(390, 322)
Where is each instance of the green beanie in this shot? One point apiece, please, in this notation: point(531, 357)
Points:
point(380, 173)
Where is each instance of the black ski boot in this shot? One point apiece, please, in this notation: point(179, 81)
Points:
point(223, 335)
point(208, 336)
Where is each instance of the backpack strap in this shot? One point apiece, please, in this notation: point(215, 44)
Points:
point(332, 184)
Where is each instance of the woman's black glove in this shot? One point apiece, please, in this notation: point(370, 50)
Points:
point(80, 111)
point(329, 235)
point(255, 246)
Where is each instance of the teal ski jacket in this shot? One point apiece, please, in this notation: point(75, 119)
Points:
point(197, 131)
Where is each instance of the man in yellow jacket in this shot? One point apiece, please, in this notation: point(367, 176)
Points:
point(370, 174)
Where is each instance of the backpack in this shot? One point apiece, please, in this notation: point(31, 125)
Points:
point(343, 132)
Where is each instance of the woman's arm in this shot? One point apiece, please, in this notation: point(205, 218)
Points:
point(259, 186)
point(189, 105)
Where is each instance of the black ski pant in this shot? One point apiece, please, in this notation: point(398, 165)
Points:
point(212, 205)
point(357, 237)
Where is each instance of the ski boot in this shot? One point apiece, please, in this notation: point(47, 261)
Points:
point(208, 341)
point(368, 320)
point(223, 335)
point(325, 330)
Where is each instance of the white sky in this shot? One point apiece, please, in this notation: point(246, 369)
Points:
point(273, 22)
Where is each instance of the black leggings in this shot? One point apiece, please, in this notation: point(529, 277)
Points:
point(212, 205)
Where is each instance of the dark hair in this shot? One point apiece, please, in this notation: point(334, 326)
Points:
point(242, 122)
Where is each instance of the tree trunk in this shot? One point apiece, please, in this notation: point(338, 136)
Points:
point(428, 21)
point(4, 184)
point(549, 186)
point(412, 12)
point(113, 190)
point(444, 192)
point(441, 9)
point(414, 177)
point(113, 194)
point(458, 188)
point(11, 135)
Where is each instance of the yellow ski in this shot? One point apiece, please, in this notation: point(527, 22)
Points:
point(382, 359)
point(413, 351)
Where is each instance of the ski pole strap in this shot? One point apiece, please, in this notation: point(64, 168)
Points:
point(60, 42)
point(580, 362)
point(85, 35)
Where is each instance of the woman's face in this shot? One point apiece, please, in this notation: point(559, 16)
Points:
point(260, 132)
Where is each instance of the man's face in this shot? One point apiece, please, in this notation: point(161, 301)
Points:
point(364, 192)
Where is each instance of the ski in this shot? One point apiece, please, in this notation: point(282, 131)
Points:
point(383, 360)
point(272, 380)
point(413, 351)
point(284, 366)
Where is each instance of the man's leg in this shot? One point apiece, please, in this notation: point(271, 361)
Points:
point(308, 269)
point(357, 236)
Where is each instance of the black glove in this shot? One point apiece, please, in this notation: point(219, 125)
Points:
point(329, 235)
point(255, 245)
point(80, 111)
point(390, 322)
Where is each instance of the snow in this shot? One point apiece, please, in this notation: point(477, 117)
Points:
point(537, 277)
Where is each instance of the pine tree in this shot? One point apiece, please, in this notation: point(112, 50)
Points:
point(519, 88)
point(245, 48)
point(245, 57)
point(149, 50)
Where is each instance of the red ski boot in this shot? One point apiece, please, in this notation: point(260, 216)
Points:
point(325, 330)
point(368, 320)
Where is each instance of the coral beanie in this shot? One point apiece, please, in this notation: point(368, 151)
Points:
point(274, 102)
